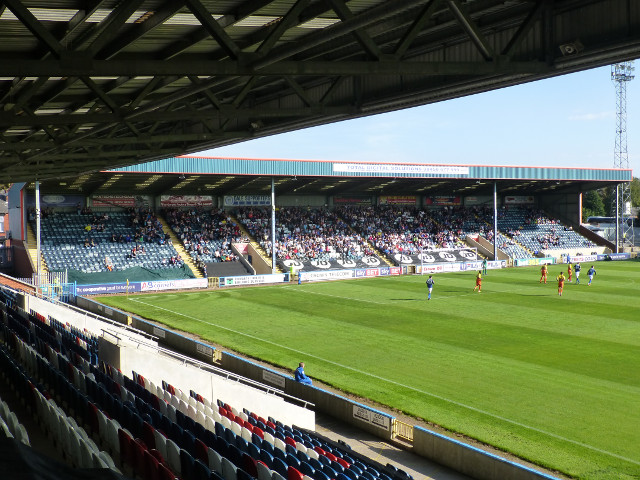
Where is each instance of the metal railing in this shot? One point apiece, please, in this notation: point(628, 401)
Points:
point(402, 430)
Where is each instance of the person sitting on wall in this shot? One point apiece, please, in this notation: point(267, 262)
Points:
point(301, 377)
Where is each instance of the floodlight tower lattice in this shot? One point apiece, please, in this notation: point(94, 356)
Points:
point(621, 74)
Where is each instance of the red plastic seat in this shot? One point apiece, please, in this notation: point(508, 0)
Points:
point(151, 465)
point(165, 473)
point(293, 474)
point(290, 441)
point(125, 441)
point(138, 449)
point(148, 435)
point(201, 451)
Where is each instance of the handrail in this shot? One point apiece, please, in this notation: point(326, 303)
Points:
point(186, 360)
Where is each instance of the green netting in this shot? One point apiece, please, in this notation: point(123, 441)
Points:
point(135, 274)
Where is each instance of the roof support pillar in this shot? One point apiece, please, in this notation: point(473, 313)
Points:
point(38, 262)
point(495, 220)
point(273, 226)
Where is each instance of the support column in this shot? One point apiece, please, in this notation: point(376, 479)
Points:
point(495, 221)
point(273, 225)
point(38, 262)
point(618, 227)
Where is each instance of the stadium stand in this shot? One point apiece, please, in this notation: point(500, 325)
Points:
point(310, 236)
point(98, 417)
point(106, 241)
point(537, 232)
point(207, 235)
point(400, 230)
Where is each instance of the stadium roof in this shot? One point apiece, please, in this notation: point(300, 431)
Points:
point(86, 86)
point(227, 176)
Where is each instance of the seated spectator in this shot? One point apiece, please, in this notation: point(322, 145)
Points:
point(301, 377)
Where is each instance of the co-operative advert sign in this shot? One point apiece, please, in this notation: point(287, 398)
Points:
point(173, 284)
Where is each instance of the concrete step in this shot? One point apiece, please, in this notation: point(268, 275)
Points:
point(256, 245)
point(177, 244)
point(32, 248)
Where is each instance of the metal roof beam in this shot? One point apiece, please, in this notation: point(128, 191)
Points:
point(110, 27)
point(362, 20)
point(213, 28)
point(471, 28)
point(365, 41)
point(524, 29)
point(415, 28)
point(228, 68)
point(137, 31)
point(224, 111)
point(23, 14)
point(288, 21)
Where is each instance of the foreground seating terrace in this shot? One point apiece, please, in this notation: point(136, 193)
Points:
point(99, 417)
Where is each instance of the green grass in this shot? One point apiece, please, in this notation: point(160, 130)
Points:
point(552, 380)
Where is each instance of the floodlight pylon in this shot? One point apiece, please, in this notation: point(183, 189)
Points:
point(621, 74)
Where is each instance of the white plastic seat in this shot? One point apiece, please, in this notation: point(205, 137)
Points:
point(269, 438)
point(201, 419)
point(229, 471)
point(264, 473)
point(112, 437)
point(173, 456)
point(108, 461)
point(246, 434)
point(102, 426)
point(280, 444)
point(225, 422)
point(171, 412)
point(161, 443)
point(215, 461)
point(192, 413)
point(236, 428)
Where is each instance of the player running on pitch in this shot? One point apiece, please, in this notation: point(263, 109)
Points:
point(569, 272)
point(430, 281)
point(560, 279)
point(478, 282)
point(591, 273)
point(577, 269)
point(543, 273)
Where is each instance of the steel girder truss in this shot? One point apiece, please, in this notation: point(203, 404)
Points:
point(102, 84)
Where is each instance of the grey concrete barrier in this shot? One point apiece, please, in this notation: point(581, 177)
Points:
point(165, 337)
point(354, 413)
point(470, 460)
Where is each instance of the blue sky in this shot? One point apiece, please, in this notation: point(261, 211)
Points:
point(568, 121)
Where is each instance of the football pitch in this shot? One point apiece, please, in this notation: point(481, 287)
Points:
point(555, 380)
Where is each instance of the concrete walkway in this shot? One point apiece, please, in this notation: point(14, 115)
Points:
point(383, 452)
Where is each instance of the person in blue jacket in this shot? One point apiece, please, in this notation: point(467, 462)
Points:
point(300, 375)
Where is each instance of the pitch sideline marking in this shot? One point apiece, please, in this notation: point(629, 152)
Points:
point(433, 395)
point(440, 297)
